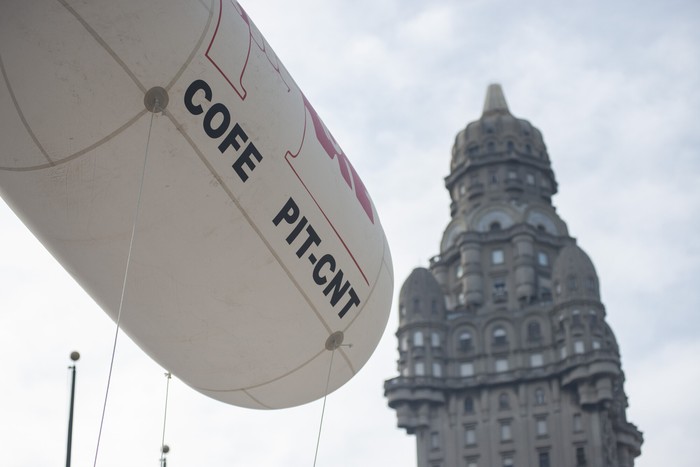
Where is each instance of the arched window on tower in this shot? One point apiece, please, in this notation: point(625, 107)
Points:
point(465, 341)
point(500, 337)
point(534, 332)
point(494, 226)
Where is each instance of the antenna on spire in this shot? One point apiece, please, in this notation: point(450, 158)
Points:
point(495, 101)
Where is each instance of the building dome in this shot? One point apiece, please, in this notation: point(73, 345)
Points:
point(421, 297)
point(498, 133)
point(574, 275)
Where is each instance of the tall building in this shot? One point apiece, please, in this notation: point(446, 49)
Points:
point(505, 356)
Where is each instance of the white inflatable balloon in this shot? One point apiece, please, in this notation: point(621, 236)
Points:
point(257, 248)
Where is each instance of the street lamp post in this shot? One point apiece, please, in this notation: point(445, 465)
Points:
point(74, 356)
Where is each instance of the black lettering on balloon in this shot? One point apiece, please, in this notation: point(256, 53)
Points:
point(297, 229)
point(244, 160)
point(197, 85)
point(214, 110)
point(216, 123)
point(353, 301)
point(325, 259)
point(338, 290)
point(289, 213)
point(232, 139)
point(313, 238)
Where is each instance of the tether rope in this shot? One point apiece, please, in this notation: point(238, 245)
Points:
point(323, 410)
point(126, 274)
point(168, 376)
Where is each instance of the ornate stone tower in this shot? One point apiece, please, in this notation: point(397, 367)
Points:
point(505, 357)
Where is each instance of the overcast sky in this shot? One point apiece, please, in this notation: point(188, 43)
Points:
point(615, 88)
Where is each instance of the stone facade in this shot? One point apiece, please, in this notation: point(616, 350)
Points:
point(505, 356)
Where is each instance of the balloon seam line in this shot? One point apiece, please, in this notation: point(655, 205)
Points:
point(81, 152)
point(95, 145)
point(190, 57)
point(247, 388)
point(103, 44)
point(25, 123)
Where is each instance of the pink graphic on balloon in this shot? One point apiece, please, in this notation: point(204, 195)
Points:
point(237, 61)
point(235, 55)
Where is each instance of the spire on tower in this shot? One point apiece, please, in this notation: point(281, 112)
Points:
point(495, 101)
